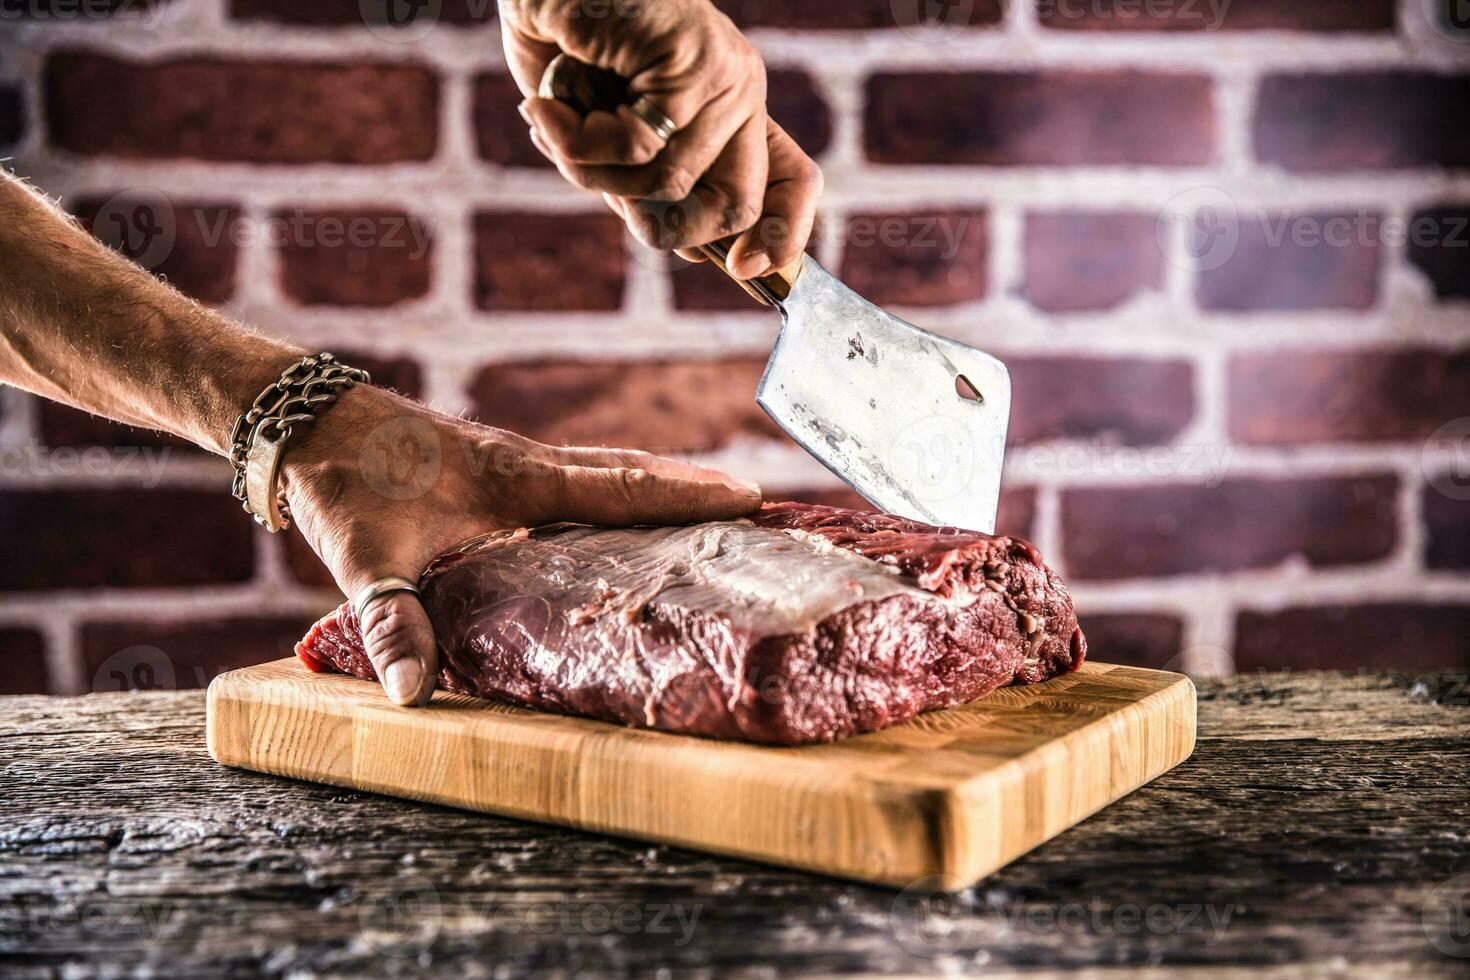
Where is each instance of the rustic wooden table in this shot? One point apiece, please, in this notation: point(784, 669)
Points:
point(1320, 828)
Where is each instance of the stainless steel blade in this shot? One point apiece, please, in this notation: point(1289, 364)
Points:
point(914, 422)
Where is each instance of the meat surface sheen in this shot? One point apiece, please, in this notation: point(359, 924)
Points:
point(802, 624)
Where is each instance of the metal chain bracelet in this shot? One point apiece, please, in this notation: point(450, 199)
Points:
point(258, 440)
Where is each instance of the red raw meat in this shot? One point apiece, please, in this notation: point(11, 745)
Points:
point(803, 624)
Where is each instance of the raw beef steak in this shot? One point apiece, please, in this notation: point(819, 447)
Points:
point(802, 624)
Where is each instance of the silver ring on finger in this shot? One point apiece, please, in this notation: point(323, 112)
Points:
point(663, 127)
point(382, 587)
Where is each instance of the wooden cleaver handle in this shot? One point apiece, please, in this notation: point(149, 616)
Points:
point(588, 88)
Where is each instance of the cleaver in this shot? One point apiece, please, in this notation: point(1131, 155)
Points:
point(914, 422)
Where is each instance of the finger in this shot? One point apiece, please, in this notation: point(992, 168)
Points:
point(727, 200)
point(623, 497)
point(691, 255)
point(526, 56)
point(657, 465)
point(788, 213)
point(689, 155)
point(619, 138)
point(400, 643)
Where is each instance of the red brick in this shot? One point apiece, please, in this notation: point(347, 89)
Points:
point(304, 565)
point(269, 111)
point(538, 261)
point(368, 257)
point(1064, 118)
point(1238, 15)
point(858, 15)
point(1090, 261)
point(23, 662)
point(501, 135)
point(166, 655)
point(1363, 121)
point(1129, 401)
point(191, 244)
point(1291, 261)
point(12, 115)
point(1447, 522)
point(1380, 636)
point(401, 374)
point(797, 106)
point(1297, 397)
point(1147, 531)
point(1136, 639)
point(332, 13)
point(936, 258)
point(666, 406)
point(123, 538)
point(701, 286)
point(1017, 515)
point(1439, 245)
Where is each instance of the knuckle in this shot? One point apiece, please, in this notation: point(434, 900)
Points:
point(389, 633)
point(634, 480)
point(739, 216)
point(674, 181)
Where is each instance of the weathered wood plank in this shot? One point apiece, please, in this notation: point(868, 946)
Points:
point(1307, 835)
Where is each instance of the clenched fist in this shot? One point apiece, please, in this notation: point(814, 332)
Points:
point(727, 169)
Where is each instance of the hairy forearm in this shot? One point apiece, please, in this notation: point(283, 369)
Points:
point(80, 324)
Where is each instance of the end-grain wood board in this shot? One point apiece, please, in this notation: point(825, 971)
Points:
point(955, 794)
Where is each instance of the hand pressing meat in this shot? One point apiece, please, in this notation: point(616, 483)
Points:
point(378, 484)
point(721, 167)
point(801, 624)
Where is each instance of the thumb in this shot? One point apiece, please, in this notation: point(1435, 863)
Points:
point(399, 641)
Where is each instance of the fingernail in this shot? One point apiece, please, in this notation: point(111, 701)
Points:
point(521, 108)
point(401, 680)
point(748, 488)
point(751, 265)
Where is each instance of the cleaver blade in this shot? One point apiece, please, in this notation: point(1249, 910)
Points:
point(914, 422)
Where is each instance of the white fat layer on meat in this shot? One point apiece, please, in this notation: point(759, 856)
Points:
point(767, 581)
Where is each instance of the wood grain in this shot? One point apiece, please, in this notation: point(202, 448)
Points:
point(954, 793)
point(1313, 832)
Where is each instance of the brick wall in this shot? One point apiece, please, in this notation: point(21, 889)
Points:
point(1223, 247)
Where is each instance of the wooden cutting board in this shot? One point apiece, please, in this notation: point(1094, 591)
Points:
point(955, 793)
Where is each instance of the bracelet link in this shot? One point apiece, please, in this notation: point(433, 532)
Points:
point(259, 437)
